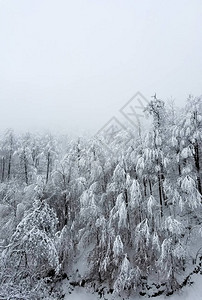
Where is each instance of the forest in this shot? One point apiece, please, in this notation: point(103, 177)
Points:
point(124, 223)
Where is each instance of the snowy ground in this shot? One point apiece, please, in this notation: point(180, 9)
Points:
point(193, 292)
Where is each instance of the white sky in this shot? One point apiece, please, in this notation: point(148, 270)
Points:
point(71, 65)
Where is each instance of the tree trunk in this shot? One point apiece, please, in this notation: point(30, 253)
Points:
point(197, 165)
point(150, 187)
point(25, 168)
point(160, 193)
point(48, 167)
point(9, 165)
point(145, 187)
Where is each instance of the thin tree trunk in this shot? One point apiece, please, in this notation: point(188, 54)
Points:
point(145, 187)
point(179, 169)
point(9, 165)
point(48, 167)
point(25, 168)
point(150, 187)
point(197, 165)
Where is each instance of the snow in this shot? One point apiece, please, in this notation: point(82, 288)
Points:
point(193, 292)
point(80, 295)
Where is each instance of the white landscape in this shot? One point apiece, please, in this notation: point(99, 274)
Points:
point(191, 293)
point(117, 218)
point(100, 150)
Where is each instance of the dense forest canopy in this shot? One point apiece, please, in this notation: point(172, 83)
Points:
point(124, 221)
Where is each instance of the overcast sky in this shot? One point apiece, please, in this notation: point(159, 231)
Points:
point(71, 65)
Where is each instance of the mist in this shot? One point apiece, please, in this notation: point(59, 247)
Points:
point(69, 66)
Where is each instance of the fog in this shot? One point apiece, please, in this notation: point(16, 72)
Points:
point(69, 66)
